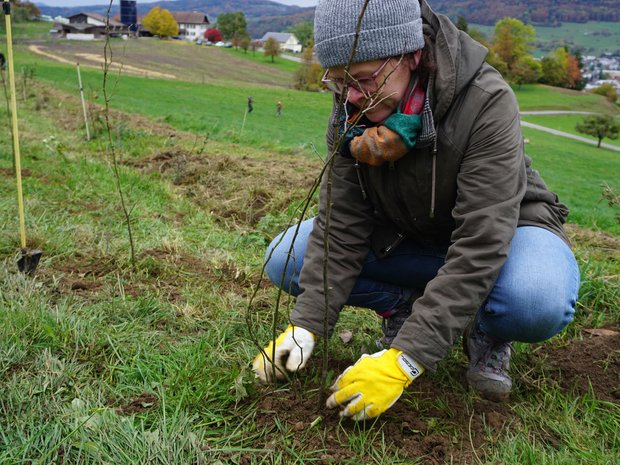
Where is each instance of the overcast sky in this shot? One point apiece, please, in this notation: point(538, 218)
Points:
point(107, 2)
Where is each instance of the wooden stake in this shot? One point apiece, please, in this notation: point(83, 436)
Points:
point(82, 97)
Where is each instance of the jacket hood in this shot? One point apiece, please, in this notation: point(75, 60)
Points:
point(458, 58)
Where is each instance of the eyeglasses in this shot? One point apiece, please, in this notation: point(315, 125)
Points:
point(364, 84)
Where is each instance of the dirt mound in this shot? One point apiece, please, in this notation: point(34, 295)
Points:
point(239, 191)
point(589, 365)
point(441, 429)
point(433, 423)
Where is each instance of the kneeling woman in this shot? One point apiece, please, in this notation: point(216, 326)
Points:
point(437, 223)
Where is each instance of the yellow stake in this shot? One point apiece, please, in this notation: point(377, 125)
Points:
point(18, 167)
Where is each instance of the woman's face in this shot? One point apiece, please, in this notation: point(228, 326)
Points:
point(377, 87)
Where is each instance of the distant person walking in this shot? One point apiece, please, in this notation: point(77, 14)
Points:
point(250, 107)
point(279, 108)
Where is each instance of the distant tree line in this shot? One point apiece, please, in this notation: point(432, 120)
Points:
point(510, 53)
point(21, 11)
point(540, 12)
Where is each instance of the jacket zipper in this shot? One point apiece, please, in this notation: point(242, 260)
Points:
point(431, 213)
point(358, 169)
point(398, 240)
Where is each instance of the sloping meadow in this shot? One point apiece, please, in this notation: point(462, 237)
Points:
point(108, 360)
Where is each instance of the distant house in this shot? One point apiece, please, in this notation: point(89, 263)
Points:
point(192, 24)
point(88, 26)
point(287, 41)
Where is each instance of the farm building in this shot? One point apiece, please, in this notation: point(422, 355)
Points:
point(88, 26)
point(192, 24)
point(287, 41)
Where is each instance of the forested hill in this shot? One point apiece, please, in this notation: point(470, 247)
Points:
point(251, 8)
point(265, 15)
point(547, 12)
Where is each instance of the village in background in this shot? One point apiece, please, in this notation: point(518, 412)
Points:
point(599, 73)
point(193, 26)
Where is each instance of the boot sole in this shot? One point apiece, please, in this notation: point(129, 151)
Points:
point(491, 389)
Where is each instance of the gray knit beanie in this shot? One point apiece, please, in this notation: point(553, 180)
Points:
point(389, 28)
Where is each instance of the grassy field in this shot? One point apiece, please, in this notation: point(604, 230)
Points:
point(592, 38)
point(209, 65)
point(533, 97)
point(102, 362)
point(577, 172)
point(215, 108)
point(259, 57)
point(565, 123)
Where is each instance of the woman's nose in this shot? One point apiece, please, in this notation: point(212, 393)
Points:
point(355, 96)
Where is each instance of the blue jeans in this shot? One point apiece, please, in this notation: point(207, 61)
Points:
point(533, 298)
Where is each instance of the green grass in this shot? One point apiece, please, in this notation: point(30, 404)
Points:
point(259, 57)
point(26, 31)
point(214, 109)
point(592, 38)
point(101, 363)
point(533, 97)
point(565, 123)
point(577, 172)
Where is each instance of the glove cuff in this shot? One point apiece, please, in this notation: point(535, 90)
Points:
point(300, 333)
point(409, 366)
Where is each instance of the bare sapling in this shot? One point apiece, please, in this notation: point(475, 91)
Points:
point(325, 176)
point(107, 61)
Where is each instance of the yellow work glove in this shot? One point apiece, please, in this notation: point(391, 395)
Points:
point(373, 384)
point(292, 350)
point(377, 145)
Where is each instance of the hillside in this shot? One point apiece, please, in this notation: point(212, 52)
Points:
point(547, 12)
point(264, 15)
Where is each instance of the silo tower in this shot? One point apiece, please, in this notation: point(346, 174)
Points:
point(129, 14)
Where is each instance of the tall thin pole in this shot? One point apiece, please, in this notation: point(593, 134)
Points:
point(82, 97)
point(6, 7)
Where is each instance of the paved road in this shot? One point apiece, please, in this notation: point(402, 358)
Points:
point(557, 112)
point(291, 57)
point(566, 134)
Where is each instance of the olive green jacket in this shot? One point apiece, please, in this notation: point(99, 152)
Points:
point(466, 184)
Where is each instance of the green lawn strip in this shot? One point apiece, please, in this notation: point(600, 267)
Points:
point(26, 30)
point(556, 428)
point(533, 97)
point(215, 110)
point(565, 123)
point(259, 57)
point(577, 171)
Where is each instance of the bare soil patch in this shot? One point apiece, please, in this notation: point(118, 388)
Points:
point(239, 191)
point(146, 57)
point(140, 404)
point(592, 363)
point(603, 245)
point(10, 172)
point(97, 61)
point(160, 270)
point(447, 430)
point(452, 433)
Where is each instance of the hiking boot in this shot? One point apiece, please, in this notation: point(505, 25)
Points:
point(390, 325)
point(489, 362)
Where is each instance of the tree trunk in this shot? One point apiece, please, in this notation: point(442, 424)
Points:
point(599, 142)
